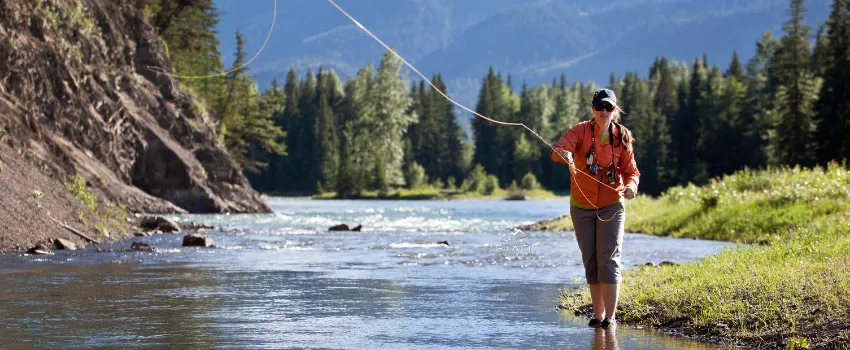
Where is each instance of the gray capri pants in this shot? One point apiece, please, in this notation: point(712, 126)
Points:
point(600, 242)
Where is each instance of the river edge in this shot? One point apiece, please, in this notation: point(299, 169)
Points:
point(791, 289)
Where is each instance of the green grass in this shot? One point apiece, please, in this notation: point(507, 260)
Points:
point(795, 291)
point(430, 192)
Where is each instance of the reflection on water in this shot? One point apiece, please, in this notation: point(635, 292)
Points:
point(281, 282)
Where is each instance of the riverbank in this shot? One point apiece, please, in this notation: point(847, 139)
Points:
point(791, 289)
point(432, 193)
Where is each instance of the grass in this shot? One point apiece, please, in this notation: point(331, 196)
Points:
point(430, 192)
point(793, 292)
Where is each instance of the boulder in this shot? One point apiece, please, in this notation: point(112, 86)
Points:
point(142, 234)
point(61, 243)
point(151, 223)
point(196, 240)
point(40, 249)
point(357, 228)
point(144, 247)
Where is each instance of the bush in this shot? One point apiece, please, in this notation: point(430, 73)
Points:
point(529, 182)
point(451, 184)
point(438, 184)
point(415, 175)
point(491, 185)
point(476, 180)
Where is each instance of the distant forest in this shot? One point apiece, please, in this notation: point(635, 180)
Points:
point(788, 105)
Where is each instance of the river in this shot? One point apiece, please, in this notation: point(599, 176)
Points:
point(283, 281)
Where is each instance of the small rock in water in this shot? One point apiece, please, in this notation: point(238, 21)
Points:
point(142, 247)
point(443, 242)
point(668, 263)
point(40, 249)
point(340, 227)
point(61, 243)
point(345, 227)
point(649, 264)
point(196, 240)
point(142, 234)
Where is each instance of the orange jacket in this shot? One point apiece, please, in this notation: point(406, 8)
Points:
point(585, 189)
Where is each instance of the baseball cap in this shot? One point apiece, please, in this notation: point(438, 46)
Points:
point(604, 95)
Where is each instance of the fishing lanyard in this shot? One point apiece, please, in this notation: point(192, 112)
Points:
point(593, 160)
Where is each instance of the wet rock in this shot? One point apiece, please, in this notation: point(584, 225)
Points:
point(143, 234)
point(144, 247)
point(196, 240)
point(159, 223)
point(345, 227)
point(61, 243)
point(40, 249)
point(668, 263)
point(443, 242)
point(649, 264)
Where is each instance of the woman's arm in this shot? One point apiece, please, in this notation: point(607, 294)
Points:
point(567, 143)
point(631, 175)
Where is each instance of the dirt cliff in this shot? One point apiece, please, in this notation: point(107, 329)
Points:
point(77, 97)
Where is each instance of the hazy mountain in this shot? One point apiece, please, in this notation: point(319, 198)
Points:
point(533, 40)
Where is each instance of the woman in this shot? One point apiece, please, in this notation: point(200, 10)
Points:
point(608, 173)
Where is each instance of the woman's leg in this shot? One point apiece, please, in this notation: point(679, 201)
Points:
point(610, 295)
point(584, 221)
point(598, 299)
point(609, 240)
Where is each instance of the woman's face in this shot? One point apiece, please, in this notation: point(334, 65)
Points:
point(606, 115)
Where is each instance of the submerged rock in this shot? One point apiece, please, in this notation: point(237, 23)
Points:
point(61, 243)
point(196, 240)
point(40, 249)
point(144, 247)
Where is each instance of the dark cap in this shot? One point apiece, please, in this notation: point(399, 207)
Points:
point(604, 95)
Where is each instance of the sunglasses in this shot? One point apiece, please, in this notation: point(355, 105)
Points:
point(604, 106)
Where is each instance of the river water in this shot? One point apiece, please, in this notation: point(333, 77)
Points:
point(283, 281)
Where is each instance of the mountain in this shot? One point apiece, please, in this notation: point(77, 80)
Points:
point(533, 40)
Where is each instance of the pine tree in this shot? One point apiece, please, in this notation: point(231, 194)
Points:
point(188, 28)
point(736, 70)
point(792, 133)
point(325, 142)
point(684, 131)
point(248, 131)
point(834, 106)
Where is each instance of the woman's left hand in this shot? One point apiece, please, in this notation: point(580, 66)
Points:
point(629, 193)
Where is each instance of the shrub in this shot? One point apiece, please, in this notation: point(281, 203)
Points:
point(529, 182)
point(491, 185)
point(415, 175)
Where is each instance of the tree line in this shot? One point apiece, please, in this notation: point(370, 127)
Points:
point(375, 131)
